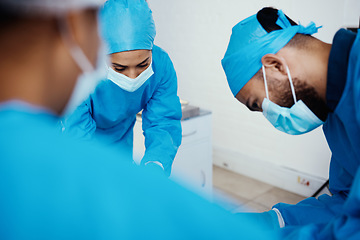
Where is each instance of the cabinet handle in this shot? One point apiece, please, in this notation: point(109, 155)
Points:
point(203, 179)
point(189, 134)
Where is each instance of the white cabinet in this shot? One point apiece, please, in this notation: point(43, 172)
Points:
point(193, 162)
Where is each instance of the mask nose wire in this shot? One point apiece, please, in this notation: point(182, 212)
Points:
point(291, 84)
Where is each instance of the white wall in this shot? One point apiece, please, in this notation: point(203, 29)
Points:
point(196, 32)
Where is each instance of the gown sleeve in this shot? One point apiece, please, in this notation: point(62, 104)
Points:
point(80, 123)
point(161, 120)
point(315, 210)
point(344, 225)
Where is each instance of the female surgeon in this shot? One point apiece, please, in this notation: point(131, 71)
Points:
point(141, 76)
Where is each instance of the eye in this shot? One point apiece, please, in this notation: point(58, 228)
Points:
point(143, 65)
point(117, 69)
point(255, 106)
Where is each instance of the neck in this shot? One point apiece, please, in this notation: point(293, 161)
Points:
point(310, 64)
point(22, 71)
point(322, 51)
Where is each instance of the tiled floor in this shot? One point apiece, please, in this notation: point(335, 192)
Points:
point(240, 193)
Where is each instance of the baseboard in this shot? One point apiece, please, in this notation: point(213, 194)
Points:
point(279, 176)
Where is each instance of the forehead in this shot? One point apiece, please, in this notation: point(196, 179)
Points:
point(130, 57)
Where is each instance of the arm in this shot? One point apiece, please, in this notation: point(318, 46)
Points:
point(318, 224)
point(310, 210)
point(345, 225)
point(161, 121)
point(80, 123)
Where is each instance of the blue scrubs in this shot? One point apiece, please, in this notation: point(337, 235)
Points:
point(110, 113)
point(342, 130)
point(54, 187)
point(343, 225)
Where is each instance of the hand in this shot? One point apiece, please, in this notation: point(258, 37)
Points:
point(155, 167)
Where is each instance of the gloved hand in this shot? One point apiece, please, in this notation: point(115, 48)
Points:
point(155, 166)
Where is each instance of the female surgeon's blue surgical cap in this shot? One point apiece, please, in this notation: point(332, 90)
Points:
point(127, 25)
point(249, 42)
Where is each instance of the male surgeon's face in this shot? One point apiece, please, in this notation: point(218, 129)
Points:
point(253, 94)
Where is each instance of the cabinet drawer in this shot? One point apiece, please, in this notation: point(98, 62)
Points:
point(193, 166)
point(195, 129)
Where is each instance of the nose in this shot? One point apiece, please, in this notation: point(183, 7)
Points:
point(132, 74)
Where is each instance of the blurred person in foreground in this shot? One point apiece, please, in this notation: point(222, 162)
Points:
point(54, 187)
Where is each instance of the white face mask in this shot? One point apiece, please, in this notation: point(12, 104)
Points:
point(90, 77)
point(296, 120)
point(129, 84)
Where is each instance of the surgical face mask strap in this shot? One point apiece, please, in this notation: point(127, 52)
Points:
point(291, 84)
point(75, 51)
point(290, 80)
point(91, 75)
point(265, 82)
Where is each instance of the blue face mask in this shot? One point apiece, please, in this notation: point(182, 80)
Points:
point(129, 84)
point(296, 120)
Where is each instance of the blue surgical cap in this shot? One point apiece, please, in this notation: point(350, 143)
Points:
point(249, 42)
point(127, 25)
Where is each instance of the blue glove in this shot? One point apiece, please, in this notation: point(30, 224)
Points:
point(155, 166)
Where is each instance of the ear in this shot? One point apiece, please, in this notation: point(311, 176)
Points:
point(274, 62)
point(79, 28)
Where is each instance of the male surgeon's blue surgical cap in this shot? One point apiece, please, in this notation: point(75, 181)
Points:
point(249, 42)
point(127, 25)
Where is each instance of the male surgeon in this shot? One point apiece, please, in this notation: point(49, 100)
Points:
point(299, 83)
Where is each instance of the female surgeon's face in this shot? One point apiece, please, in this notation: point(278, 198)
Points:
point(131, 63)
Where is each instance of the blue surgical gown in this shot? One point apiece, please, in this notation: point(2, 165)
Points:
point(110, 114)
point(336, 216)
point(54, 187)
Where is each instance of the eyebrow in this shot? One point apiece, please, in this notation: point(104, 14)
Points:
point(122, 66)
point(119, 65)
point(144, 61)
